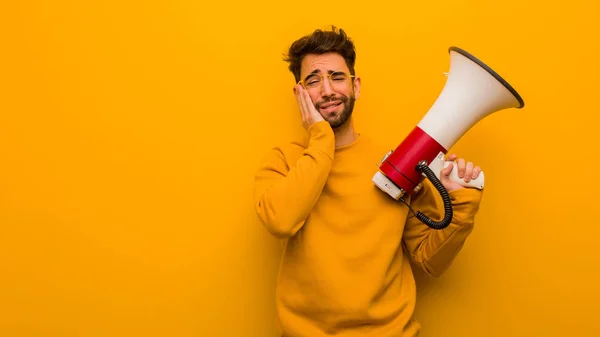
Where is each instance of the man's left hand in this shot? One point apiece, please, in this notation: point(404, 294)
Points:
point(466, 171)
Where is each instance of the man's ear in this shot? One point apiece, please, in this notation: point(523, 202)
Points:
point(356, 87)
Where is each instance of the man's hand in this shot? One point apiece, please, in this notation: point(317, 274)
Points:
point(466, 171)
point(310, 115)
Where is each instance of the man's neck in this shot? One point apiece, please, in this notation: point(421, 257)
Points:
point(345, 134)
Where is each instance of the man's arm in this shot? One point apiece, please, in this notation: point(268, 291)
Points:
point(435, 250)
point(285, 196)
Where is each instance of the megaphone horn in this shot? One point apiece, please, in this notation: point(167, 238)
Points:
point(472, 91)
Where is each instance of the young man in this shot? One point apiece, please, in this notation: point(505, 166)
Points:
point(345, 267)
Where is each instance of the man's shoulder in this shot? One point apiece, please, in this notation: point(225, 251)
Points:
point(375, 147)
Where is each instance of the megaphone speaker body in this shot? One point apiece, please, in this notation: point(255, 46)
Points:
point(472, 91)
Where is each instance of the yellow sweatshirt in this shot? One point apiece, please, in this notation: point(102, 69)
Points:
point(345, 267)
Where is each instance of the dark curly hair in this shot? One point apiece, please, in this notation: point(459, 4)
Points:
point(321, 42)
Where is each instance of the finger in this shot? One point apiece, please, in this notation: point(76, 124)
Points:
point(468, 172)
point(476, 171)
point(446, 171)
point(297, 94)
point(461, 167)
point(301, 105)
point(310, 107)
point(452, 157)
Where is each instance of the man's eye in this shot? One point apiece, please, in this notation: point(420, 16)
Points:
point(338, 77)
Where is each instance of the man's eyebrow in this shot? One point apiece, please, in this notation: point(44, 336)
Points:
point(316, 71)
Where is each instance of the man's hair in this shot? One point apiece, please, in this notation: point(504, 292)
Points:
point(321, 42)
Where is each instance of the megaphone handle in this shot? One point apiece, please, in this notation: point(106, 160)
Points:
point(473, 183)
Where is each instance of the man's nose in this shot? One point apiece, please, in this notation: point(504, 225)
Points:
point(326, 89)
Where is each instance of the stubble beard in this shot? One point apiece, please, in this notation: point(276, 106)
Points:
point(337, 122)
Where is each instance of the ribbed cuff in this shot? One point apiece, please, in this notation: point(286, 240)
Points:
point(321, 137)
point(465, 204)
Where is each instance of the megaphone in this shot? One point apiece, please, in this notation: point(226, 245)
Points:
point(472, 91)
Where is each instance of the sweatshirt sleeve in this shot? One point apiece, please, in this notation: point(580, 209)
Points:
point(284, 195)
point(435, 250)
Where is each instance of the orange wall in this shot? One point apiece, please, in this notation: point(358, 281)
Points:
point(125, 200)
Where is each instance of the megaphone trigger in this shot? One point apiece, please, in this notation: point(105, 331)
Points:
point(439, 163)
point(473, 183)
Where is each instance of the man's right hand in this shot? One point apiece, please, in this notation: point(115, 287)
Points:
point(310, 115)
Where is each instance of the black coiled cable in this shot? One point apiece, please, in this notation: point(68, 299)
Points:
point(423, 168)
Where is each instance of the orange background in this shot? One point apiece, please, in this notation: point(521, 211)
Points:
point(130, 131)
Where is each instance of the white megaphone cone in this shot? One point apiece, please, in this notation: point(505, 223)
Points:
point(472, 92)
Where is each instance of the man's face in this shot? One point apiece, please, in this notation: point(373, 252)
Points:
point(333, 96)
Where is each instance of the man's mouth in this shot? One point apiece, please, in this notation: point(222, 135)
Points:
point(330, 106)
